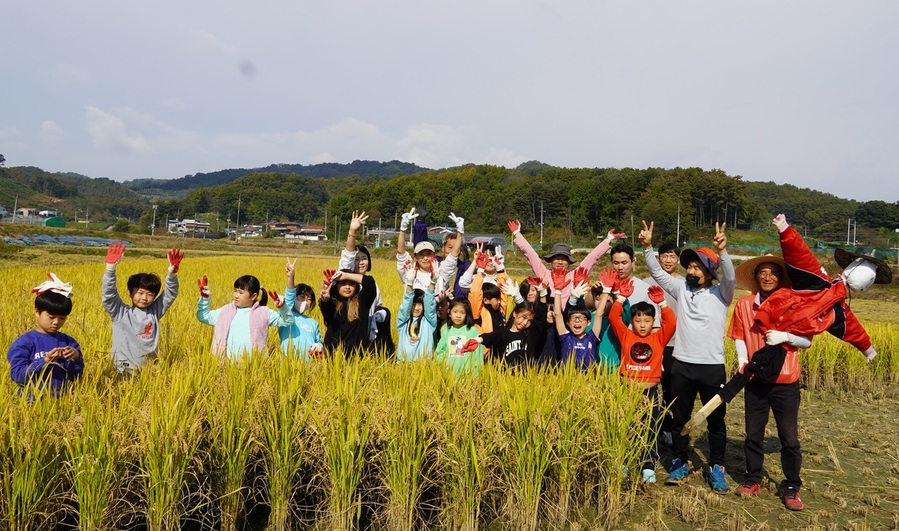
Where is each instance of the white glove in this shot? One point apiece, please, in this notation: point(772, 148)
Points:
point(577, 293)
point(316, 347)
point(871, 353)
point(408, 217)
point(510, 288)
point(776, 337)
point(499, 259)
point(409, 273)
point(459, 221)
point(780, 221)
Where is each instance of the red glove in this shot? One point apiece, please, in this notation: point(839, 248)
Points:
point(115, 252)
point(470, 346)
point(175, 257)
point(328, 273)
point(560, 279)
point(279, 301)
point(480, 260)
point(514, 226)
point(626, 287)
point(581, 276)
point(534, 281)
point(609, 279)
point(203, 284)
point(613, 235)
point(656, 294)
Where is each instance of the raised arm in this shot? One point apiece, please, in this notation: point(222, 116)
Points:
point(601, 249)
point(537, 266)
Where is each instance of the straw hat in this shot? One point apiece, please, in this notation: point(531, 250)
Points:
point(746, 272)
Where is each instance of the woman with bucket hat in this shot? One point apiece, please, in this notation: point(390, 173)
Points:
point(559, 258)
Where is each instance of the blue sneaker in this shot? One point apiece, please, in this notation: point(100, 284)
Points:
point(716, 480)
point(678, 473)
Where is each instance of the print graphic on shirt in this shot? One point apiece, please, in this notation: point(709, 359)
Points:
point(515, 346)
point(641, 352)
point(456, 343)
point(146, 333)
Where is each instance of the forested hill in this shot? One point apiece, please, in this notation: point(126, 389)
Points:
point(361, 168)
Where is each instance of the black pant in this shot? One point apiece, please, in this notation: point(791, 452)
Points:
point(783, 400)
point(667, 395)
point(651, 457)
point(688, 379)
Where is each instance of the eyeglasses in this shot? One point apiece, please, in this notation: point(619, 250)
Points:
point(578, 318)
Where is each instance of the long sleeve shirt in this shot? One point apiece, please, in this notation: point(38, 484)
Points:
point(416, 334)
point(701, 312)
point(26, 361)
point(135, 331)
point(545, 274)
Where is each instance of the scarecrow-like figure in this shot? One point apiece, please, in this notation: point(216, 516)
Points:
point(814, 303)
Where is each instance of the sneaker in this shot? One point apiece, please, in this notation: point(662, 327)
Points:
point(649, 475)
point(666, 439)
point(716, 480)
point(792, 500)
point(678, 473)
point(748, 488)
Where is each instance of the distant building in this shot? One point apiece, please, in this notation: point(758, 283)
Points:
point(187, 226)
point(3, 211)
point(47, 213)
point(26, 212)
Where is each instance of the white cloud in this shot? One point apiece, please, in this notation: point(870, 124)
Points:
point(51, 131)
point(200, 39)
point(108, 131)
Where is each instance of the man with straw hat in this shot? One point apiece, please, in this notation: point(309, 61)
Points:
point(815, 303)
point(762, 276)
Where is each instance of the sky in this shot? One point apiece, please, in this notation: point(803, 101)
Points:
point(801, 92)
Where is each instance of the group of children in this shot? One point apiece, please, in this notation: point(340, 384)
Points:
point(666, 330)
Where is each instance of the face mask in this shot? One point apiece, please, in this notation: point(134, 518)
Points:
point(300, 306)
point(693, 281)
point(860, 274)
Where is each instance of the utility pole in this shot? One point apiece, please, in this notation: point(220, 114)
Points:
point(153, 228)
point(677, 238)
point(237, 223)
point(541, 224)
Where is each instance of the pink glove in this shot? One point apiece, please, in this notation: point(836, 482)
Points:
point(480, 260)
point(115, 252)
point(203, 284)
point(470, 346)
point(279, 301)
point(175, 257)
point(656, 294)
point(609, 279)
point(626, 287)
point(581, 276)
point(612, 235)
point(560, 279)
